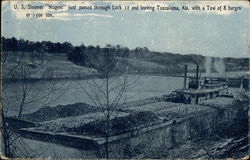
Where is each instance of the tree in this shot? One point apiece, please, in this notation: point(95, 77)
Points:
point(22, 97)
point(2, 140)
point(78, 55)
point(109, 91)
point(67, 47)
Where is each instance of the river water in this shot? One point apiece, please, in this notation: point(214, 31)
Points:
point(61, 92)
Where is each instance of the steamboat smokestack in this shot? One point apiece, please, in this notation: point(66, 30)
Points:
point(197, 76)
point(185, 77)
point(241, 81)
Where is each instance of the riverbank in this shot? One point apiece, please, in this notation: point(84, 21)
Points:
point(56, 66)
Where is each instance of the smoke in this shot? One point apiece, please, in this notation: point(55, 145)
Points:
point(219, 66)
point(208, 66)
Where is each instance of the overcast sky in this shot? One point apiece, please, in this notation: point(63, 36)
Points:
point(222, 34)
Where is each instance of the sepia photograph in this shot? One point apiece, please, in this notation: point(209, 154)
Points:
point(124, 79)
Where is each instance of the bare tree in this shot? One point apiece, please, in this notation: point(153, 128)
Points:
point(109, 91)
point(23, 96)
point(2, 127)
point(26, 94)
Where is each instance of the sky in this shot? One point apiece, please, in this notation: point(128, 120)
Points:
point(209, 33)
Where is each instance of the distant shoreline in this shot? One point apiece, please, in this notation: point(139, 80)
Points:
point(98, 76)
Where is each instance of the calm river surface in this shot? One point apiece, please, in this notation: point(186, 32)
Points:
point(61, 92)
point(52, 93)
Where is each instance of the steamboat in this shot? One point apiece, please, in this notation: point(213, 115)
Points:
point(203, 88)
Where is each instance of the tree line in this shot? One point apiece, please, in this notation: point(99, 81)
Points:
point(13, 44)
point(82, 55)
point(78, 54)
